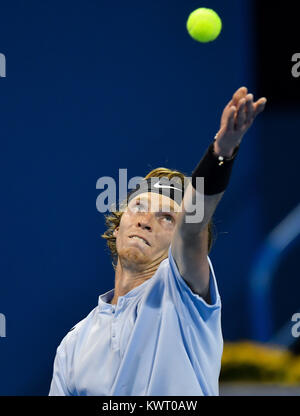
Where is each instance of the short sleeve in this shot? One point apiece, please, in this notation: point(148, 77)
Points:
point(187, 292)
point(58, 384)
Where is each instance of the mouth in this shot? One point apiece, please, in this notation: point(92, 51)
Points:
point(138, 237)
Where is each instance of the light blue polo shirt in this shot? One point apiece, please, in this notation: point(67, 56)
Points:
point(160, 339)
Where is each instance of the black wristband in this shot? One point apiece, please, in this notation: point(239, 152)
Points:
point(215, 170)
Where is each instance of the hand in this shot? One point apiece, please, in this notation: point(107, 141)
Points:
point(237, 117)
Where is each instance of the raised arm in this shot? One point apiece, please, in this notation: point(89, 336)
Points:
point(190, 240)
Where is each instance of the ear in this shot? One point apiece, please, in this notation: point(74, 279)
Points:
point(115, 232)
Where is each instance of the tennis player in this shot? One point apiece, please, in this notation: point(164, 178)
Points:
point(158, 332)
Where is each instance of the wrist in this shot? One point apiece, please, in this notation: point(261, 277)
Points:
point(215, 169)
point(219, 151)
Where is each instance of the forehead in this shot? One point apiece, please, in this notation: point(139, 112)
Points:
point(156, 202)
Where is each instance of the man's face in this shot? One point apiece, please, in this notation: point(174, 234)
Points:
point(152, 217)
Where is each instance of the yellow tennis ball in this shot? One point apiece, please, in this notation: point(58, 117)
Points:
point(204, 25)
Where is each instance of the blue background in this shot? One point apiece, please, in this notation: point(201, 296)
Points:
point(95, 86)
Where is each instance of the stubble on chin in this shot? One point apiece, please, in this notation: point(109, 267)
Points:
point(132, 256)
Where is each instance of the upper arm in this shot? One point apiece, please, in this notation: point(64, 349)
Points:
point(59, 384)
point(190, 240)
point(190, 255)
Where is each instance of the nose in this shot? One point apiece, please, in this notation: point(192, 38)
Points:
point(145, 221)
point(144, 226)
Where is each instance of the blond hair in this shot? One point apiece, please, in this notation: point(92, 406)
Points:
point(112, 220)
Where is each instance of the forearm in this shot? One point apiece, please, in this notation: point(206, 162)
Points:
point(206, 209)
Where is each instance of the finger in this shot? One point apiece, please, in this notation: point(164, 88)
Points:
point(237, 95)
point(230, 119)
point(240, 93)
point(249, 108)
point(259, 106)
point(241, 115)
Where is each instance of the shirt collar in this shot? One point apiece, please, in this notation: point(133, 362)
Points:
point(105, 298)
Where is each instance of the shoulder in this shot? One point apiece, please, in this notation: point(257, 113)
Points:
point(70, 339)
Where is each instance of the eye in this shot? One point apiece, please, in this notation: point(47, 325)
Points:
point(169, 218)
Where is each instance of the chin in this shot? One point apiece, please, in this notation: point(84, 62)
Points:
point(133, 255)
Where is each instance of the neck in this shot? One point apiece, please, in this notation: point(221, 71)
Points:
point(127, 277)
